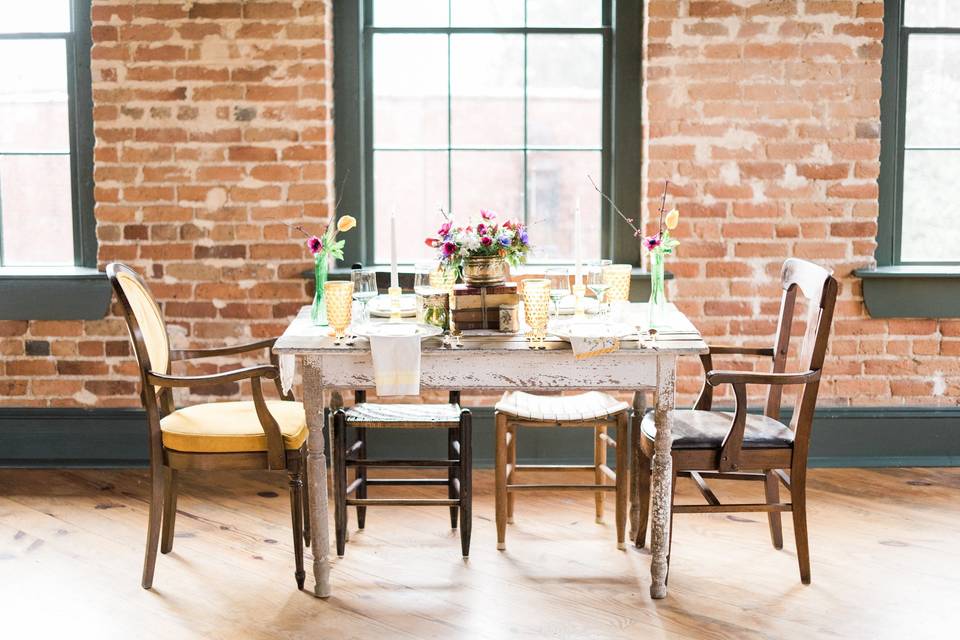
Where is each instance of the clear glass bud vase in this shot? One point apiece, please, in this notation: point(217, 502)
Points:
point(318, 312)
point(658, 295)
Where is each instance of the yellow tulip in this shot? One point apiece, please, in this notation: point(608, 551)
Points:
point(346, 223)
point(672, 219)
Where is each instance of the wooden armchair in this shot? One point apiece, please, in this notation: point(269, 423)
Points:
point(722, 445)
point(257, 434)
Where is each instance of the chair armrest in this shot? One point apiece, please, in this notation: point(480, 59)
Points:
point(752, 377)
point(189, 354)
point(260, 371)
point(721, 350)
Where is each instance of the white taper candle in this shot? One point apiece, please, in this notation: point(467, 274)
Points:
point(394, 277)
point(577, 255)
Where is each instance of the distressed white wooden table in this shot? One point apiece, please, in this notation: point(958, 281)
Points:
point(499, 362)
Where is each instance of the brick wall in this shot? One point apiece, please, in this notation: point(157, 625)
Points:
point(214, 129)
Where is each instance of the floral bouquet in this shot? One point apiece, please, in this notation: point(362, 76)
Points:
point(324, 247)
point(507, 241)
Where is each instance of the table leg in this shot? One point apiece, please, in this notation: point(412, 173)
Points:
point(662, 477)
point(313, 403)
point(639, 405)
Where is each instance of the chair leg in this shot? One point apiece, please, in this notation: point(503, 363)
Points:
point(643, 499)
point(296, 516)
point(772, 489)
point(798, 496)
point(362, 473)
point(599, 457)
point(454, 435)
point(306, 498)
point(466, 481)
point(500, 472)
point(623, 477)
point(512, 461)
point(169, 510)
point(153, 526)
point(340, 481)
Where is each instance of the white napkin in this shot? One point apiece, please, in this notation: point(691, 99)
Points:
point(288, 370)
point(396, 365)
point(589, 347)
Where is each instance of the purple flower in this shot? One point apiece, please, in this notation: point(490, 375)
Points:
point(652, 242)
point(505, 241)
point(524, 238)
point(486, 241)
point(315, 245)
point(449, 249)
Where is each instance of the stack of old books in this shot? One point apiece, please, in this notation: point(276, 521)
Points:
point(479, 307)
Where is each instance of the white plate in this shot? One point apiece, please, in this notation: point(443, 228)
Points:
point(592, 329)
point(379, 307)
point(397, 330)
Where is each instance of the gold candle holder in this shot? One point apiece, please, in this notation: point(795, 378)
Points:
point(394, 295)
point(536, 309)
point(338, 298)
point(579, 293)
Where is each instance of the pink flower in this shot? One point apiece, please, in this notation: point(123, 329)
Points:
point(486, 214)
point(449, 249)
point(445, 228)
point(315, 245)
point(508, 224)
point(486, 241)
point(481, 229)
point(652, 242)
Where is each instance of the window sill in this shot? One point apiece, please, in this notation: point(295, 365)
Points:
point(911, 291)
point(53, 293)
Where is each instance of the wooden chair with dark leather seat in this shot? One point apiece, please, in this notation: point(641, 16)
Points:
point(741, 446)
point(236, 436)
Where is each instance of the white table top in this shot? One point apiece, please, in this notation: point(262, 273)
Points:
point(679, 337)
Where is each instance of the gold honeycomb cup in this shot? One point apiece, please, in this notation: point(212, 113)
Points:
point(443, 279)
point(536, 310)
point(617, 276)
point(338, 297)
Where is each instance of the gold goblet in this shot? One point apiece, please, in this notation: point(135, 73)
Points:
point(617, 276)
point(338, 296)
point(536, 309)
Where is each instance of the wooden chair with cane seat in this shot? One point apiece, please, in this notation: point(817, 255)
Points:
point(741, 446)
point(594, 410)
point(235, 436)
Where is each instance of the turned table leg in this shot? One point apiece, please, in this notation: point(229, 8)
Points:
point(313, 403)
point(639, 405)
point(662, 476)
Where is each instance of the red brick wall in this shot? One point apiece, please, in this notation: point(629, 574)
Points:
point(765, 117)
point(214, 129)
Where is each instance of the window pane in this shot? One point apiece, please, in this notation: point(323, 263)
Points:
point(564, 90)
point(933, 91)
point(487, 180)
point(410, 13)
point(33, 96)
point(487, 90)
point(414, 184)
point(36, 210)
point(931, 218)
point(486, 13)
point(555, 180)
point(931, 13)
point(409, 90)
point(564, 13)
point(34, 16)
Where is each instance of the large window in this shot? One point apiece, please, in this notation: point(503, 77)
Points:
point(461, 105)
point(46, 189)
point(920, 198)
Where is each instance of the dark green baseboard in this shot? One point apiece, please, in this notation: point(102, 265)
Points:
point(842, 437)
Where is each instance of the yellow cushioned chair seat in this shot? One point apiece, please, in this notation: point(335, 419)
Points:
point(231, 427)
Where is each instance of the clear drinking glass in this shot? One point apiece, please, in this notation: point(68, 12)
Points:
point(338, 296)
point(559, 279)
point(364, 288)
point(596, 283)
point(536, 309)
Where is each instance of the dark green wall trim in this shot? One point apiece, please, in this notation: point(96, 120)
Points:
point(73, 293)
point(911, 291)
point(842, 437)
point(889, 135)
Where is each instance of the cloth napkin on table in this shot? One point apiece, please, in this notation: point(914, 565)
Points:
point(396, 365)
point(588, 347)
point(288, 368)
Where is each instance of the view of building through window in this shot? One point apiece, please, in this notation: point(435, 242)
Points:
point(36, 193)
point(495, 105)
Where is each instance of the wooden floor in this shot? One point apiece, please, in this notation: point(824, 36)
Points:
point(885, 546)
